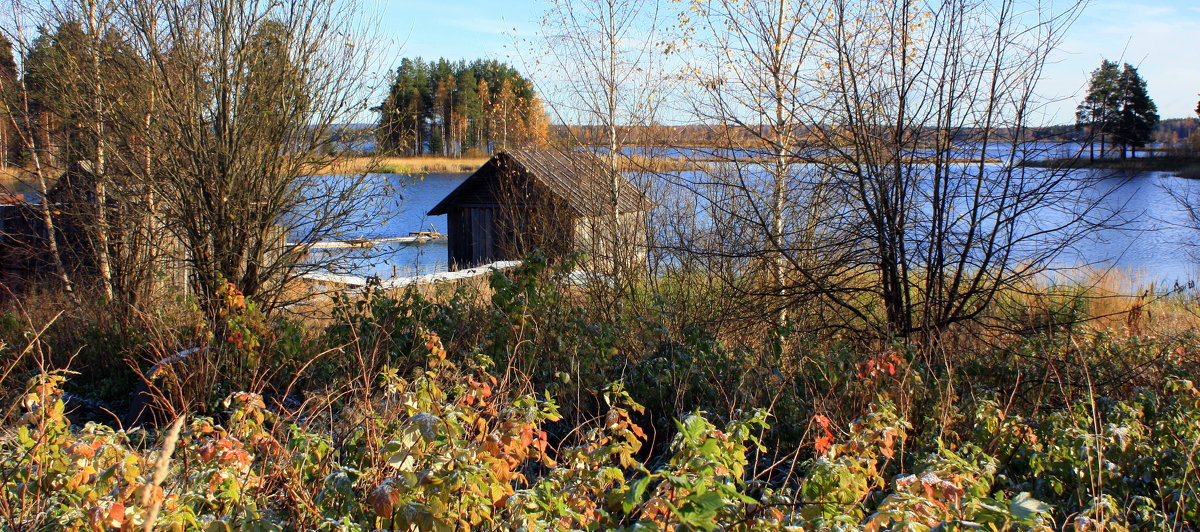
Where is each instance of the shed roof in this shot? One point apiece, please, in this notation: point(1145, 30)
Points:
point(578, 178)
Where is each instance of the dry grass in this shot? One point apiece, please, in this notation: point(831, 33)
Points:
point(1126, 301)
point(636, 163)
point(1122, 301)
point(402, 165)
point(424, 165)
point(1185, 165)
point(11, 175)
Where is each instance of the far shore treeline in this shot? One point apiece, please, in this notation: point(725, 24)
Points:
point(473, 108)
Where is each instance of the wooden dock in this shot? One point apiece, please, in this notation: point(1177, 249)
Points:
point(414, 238)
point(353, 282)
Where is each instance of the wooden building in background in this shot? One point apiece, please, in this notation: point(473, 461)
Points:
point(553, 200)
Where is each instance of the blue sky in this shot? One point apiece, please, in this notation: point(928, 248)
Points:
point(1160, 37)
point(456, 29)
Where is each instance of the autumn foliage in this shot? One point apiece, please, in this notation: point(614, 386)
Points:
point(452, 428)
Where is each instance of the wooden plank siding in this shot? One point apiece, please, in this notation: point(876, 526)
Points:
point(475, 236)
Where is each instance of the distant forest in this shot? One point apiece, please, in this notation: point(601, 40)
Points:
point(1168, 132)
point(1174, 132)
point(448, 108)
point(458, 108)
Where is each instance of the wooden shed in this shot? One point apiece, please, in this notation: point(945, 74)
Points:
point(556, 201)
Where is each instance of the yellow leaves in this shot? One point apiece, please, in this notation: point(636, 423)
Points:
point(637, 431)
point(889, 436)
point(941, 491)
point(31, 402)
point(435, 352)
point(500, 469)
point(625, 457)
point(82, 477)
point(526, 436)
point(500, 494)
point(85, 449)
point(541, 442)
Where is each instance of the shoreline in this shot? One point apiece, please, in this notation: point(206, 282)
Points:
point(634, 163)
point(1185, 166)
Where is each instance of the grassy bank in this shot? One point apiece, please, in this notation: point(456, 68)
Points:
point(22, 179)
point(407, 165)
point(636, 163)
point(1187, 166)
point(402, 165)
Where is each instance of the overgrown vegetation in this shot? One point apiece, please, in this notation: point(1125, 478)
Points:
point(837, 325)
point(517, 406)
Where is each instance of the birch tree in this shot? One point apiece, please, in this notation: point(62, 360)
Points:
point(250, 95)
point(928, 142)
point(91, 97)
point(604, 71)
point(878, 170)
point(24, 124)
point(749, 65)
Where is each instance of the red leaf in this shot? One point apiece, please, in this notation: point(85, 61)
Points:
point(116, 515)
point(822, 421)
point(824, 443)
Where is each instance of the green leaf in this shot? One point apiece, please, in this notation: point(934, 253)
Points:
point(709, 500)
point(1025, 507)
point(402, 460)
point(410, 435)
point(24, 438)
point(634, 496)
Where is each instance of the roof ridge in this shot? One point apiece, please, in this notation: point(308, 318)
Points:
point(578, 177)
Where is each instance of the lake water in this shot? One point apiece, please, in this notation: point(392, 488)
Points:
point(1157, 241)
point(1160, 241)
point(415, 197)
point(1034, 151)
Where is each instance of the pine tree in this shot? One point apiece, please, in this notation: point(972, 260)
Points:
point(467, 110)
point(1138, 115)
point(1099, 109)
point(484, 128)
